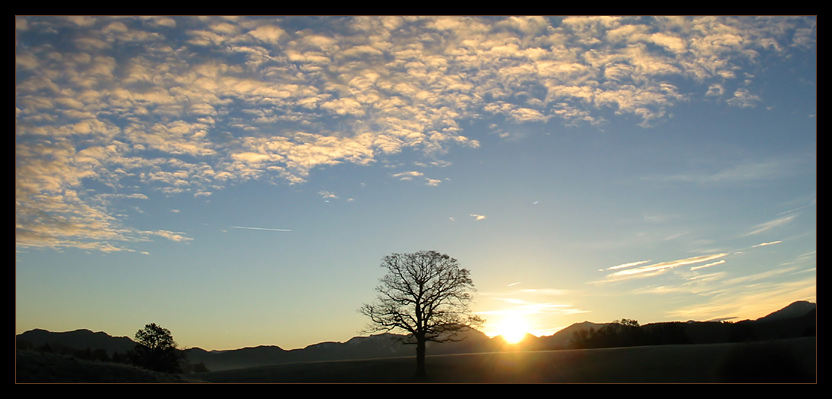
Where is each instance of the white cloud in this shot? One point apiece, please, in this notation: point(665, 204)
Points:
point(744, 99)
point(326, 195)
point(715, 90)
point(705, 266)
point(279, 97)
point(626, 265)
point(659, 268)
point(407, 175)
point(765, 244)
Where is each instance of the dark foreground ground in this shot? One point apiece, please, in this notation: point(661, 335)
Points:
point(784, 361)
point(777, 361)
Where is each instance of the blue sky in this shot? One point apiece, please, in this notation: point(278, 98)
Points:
point(237, 180)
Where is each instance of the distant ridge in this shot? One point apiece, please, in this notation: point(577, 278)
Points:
point(795, 320)
point(795, 309)
point(77, 339)
point(563, 338)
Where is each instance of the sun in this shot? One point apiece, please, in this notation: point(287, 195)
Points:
point(513, 328)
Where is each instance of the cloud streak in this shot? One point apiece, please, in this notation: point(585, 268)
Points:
point(659, 268)
point(753, 295)
point(765, 244)
point(764, 227)
point(719, 262)
point(748, 172)
point(626, 265)
point(258, 228)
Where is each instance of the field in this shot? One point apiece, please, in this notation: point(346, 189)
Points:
point(783, 361)
point(779, 361)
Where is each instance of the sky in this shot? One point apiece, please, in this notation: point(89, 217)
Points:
point(237, 180)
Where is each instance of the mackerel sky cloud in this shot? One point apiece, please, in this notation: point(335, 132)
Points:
point(118, 116)
point(273, 98)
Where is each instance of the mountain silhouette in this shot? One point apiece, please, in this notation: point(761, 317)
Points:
point(78, 339)
point(796, 320)
point(795, 309)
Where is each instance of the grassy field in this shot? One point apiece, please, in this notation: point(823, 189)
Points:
point(771, 362)
point(783, 361)
point(39, 368)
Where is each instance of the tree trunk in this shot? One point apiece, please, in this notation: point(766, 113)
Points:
point(420, 358)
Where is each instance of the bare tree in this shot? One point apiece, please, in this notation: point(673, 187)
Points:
point(427, 295)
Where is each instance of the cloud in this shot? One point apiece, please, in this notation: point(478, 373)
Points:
point(545, 303)
point(477, 217)
point(740, 173)
point(744, 99)
point(659, 268)
point(326, 195)
point(532, 300)
point(267, 33)
point(719, 262)
point(189, 105)
point(765, 244)
point(170, 235)
point(751, 296)
point(408, 175)
point(626, 265)
point(763, 227)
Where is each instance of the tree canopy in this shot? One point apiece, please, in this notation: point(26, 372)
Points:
point(425, 294)
point(156, 350)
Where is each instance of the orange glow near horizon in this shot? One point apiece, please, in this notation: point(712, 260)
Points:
point(513, 328)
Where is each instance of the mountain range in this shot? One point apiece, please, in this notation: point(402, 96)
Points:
point(795, 320)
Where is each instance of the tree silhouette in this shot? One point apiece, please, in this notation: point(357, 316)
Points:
point(427, 295)
point(627, 322)
point(624, 332)
point(156, 350)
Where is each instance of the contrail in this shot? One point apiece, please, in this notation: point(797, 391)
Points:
point(257, 228)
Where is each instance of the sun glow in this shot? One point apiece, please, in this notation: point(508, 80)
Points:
point(513, 328)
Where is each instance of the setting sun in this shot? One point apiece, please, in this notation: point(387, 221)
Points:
point(513, 329)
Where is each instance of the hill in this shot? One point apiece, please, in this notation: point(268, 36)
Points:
point(795, 309)
point(798, 319)
point(374, 346)
point(78, 339)
point(794, 321)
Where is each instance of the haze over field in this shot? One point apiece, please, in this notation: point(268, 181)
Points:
point(237, 180)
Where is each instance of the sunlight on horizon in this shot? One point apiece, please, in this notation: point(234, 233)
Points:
point(513, 328)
